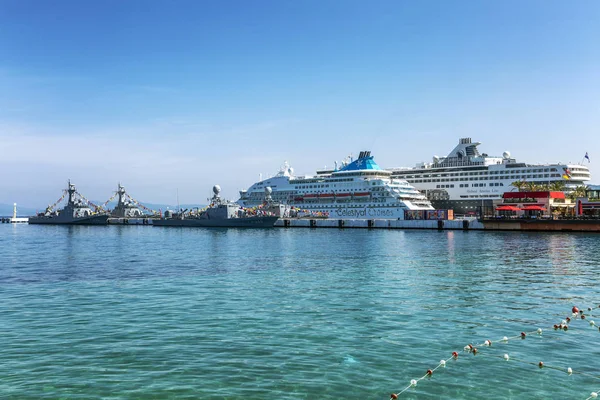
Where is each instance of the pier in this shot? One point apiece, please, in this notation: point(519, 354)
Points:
point(459, 224)
point(14, 219)
point(542, 224)
point(130, 221)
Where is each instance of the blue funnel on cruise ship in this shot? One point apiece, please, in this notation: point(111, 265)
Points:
point(364, 161)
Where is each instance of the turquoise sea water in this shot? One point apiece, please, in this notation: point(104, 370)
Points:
point(146, 313)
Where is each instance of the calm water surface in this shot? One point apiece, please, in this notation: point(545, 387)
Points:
point(140, 312)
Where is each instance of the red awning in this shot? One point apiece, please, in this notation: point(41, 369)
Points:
point(534, 208)
point(507, 208)
point(533, 195)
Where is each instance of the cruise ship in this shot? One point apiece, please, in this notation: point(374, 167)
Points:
point(468, 181)
point(359, 189)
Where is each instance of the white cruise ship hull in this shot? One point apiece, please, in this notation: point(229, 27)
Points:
point(360, 189)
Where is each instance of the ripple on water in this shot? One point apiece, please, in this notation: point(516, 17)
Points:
point(135, 312)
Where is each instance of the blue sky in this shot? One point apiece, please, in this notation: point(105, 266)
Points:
point(166, 96)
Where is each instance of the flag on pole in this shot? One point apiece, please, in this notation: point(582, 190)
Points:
point(586, 156)
point(566, 173)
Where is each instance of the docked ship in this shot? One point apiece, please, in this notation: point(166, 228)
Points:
point(359, 189)
point(77, 211)
point(219, 214)
point(126, 206)
point(468, 181)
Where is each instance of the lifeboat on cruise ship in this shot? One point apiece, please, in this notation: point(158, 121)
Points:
point(362, 195)
point(343, 196)
point(298, 198)
point(326, 196)
point(311, 197)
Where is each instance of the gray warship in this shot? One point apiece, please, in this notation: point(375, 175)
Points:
point(219, 214)
point(76, 212)
point(127, 207)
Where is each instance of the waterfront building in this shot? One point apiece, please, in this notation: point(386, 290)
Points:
point(534, 204)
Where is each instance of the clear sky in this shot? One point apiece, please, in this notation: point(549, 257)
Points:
point(168, 96)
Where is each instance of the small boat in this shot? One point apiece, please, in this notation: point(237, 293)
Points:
point(343, 196)
point(362, 195)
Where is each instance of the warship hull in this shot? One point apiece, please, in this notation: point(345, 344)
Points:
point(59, 220)
point(246, 222)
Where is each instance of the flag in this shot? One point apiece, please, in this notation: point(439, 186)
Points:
point(586, 156)
point(567, 173)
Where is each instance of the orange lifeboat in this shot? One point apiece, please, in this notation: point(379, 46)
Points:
point(343, 196)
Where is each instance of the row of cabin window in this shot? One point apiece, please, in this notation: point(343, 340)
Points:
point(484, 179)
point(517, 171)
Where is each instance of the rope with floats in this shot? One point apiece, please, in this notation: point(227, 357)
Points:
point(563, 326)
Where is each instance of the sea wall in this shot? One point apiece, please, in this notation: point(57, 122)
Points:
point(574, 225)
point(130, 221)
point(466, 224)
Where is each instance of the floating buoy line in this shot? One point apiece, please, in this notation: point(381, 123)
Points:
point(474, 349)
